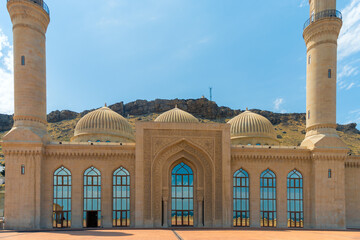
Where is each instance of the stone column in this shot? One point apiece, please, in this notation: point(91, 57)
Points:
point(165, 198)
point(281, 199)
point(200, 199)
point(77, 197)
point(106, 199)
point(254, 199)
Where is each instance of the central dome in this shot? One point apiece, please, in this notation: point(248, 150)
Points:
point(176, 115)
point(103, 125)
point(251, 128)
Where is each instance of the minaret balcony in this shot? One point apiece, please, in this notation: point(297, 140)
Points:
point(331, 13)
point(41, 3)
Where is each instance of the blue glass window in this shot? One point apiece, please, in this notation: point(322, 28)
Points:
point(121, 198)
point(268, 199)
point(92, 198)
point(62, 198)
point(182, 196)
point(295, 199)
point(241, 200)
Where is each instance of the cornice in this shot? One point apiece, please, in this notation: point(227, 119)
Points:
point(270, 153)
point(26, 9)
point(77, 150)
point(352, 162)
point(29, 118)
point(322, 27)
point(319, 126)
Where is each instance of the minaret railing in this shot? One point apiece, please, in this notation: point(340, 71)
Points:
point(41, 3)
point(331, 13)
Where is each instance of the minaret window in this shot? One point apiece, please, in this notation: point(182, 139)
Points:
point(308, 114)
point(22, 169)
point(309, 59)
point(23, 60)
point(329, 73)
point(329, 173)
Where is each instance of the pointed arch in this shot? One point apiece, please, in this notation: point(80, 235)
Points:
point(182, 195)
point(203, 170)
point(61, 216)
point(92, 197)
point(295, 202)
point(121, 197)
point(241, 199)
point(268, 198)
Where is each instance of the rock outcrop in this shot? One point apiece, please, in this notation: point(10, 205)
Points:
point(201, 108)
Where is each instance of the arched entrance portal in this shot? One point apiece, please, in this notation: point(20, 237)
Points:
point(182, 195)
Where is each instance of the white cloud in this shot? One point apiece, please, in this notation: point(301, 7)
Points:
point(6, 75)
point(354, 117)
point(350, 86)
point(349, 40)
point(349, 47)
point(348, 70)
point(303, 3)
point(277, 105)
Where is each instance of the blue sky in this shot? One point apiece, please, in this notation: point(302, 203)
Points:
point(251, 52)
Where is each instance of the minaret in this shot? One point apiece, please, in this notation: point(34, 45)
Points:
point(30, 19)
point(24, 145)
point(328, 152)
point(321, 32)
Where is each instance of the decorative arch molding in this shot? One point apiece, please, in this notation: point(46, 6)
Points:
point(201, 164)
point(182, 143)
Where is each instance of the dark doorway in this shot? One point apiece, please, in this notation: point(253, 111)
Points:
point(92, 219)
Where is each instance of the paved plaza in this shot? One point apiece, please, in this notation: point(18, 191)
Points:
point(185, 234)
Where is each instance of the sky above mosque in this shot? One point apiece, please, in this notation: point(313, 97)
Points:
point(251, 53)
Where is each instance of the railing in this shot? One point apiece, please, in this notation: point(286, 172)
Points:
point(324, 14)
point(41, 3)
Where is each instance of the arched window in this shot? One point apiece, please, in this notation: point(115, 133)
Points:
point(268, 199)
point(92, 198)
point(62, 198)
point(121, 198)
point(295, 199)
point(241, 212)
point(182, 196)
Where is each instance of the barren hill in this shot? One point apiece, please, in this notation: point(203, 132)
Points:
point(290, 127)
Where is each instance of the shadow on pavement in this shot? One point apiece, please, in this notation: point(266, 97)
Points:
point(98, 233)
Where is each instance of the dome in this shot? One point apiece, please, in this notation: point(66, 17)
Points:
point(103, 125)
point(251, 128)
point(176, 115)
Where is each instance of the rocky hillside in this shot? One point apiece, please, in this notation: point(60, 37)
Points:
point(290, 127)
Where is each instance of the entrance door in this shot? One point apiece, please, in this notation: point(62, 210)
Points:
point(182, 196)
point(92, 219)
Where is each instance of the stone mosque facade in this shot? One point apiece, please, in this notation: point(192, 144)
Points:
point(176, 171)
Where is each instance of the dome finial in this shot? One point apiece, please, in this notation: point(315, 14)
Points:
point(176, 106)
point(247, 109)
point(105, 105)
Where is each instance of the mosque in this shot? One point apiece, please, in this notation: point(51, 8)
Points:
point(175, 171)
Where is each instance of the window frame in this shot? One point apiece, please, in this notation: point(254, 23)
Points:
point(241, 199)
point(65, 215)
point(295, 205)
point(267, 199)
point(118, 211)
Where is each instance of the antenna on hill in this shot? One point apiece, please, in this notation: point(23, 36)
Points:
point(210, 88)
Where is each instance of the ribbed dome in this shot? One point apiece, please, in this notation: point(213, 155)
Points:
point(176, 115)
point(103, 124)
point(252, 128)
